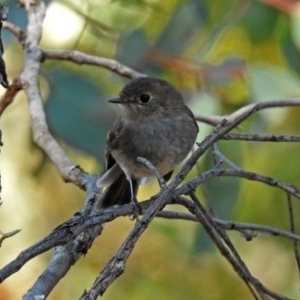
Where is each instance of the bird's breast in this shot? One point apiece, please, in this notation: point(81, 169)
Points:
point(165, 142)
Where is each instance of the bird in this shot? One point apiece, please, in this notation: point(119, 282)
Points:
point(155, 124)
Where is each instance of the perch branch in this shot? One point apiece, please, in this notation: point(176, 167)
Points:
point(154, 170)
point(116, 265)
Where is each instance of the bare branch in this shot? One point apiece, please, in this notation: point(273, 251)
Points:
point(154, 170)
point(8, 235)
point(10, 94)
point(68, 231)
point(68, 254)
point(85, 226)
point(261, 137)
point(83, 58)
point(30, 81)
point(214, 120)
point(217, 235)
point(116, 265)
point(185, 189)
point(239, 266)
point(61, 262)
point(216, 134)
point(230, 225)
point(17, 31)
point(292, 224)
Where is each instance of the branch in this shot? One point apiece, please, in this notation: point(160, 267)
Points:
point(68, 231)
point(238, 265)
point(185, 189)
point(10, 94)
point(116, 265)
point(230, 225)
point(8, 235)
point(63, 259)
point(154, 170)
point(216, 134)
point(292, 226)
point(217, 235)
point(214, 120)
point(17, 31)
point(66, 255)
point(30, 81)
point(261, 137)
point(83, 58)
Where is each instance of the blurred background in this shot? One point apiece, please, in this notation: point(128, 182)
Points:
point(221, 55)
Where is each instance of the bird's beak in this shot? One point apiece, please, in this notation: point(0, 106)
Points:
point(115, 100)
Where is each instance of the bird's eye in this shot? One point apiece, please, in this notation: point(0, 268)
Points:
point(144, 98)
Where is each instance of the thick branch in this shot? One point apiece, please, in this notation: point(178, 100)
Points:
point(68, 254)
point(117, 264)
point(65, 233)
point(30, 80)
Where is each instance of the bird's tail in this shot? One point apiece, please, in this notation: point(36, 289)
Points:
point(118, 192)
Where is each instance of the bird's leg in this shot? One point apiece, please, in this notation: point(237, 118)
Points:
point(137, 206)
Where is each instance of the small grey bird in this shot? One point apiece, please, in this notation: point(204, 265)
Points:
point(154, 124)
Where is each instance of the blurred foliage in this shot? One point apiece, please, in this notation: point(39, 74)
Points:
point(221, 54)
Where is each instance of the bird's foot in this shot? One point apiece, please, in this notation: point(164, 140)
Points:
point(137, 209)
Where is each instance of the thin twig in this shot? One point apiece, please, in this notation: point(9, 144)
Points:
point(292, 226)
point(214, 120)
point(17, 31)
point(261, 137)
point(8, 235)
point(204, 191)
point(216, 234)
point(223, 158)
point(83, 58)
point(154, 170)
point(197, 209)
point(238, 173)
point(216, 134)
point(230, 225)
point(10, 94)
